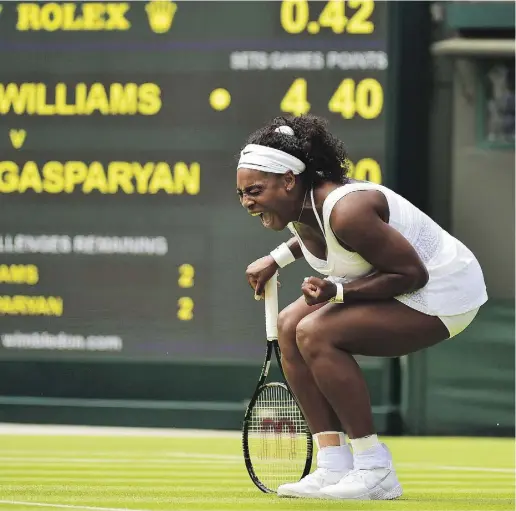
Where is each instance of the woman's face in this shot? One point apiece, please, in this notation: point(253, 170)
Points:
point(268, 196)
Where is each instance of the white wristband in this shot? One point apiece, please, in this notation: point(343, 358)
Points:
point(339, 295)
point(283, 255)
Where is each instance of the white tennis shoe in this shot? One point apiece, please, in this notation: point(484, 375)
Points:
point(373, 478)
point(333, 463)
point(310, 486)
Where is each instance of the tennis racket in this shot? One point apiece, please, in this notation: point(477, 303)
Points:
point(276, 441)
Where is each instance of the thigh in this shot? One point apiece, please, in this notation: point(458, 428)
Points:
point(288, 320)
point(297, 310)
point(381, 329)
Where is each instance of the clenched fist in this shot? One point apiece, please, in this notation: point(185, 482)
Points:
point(318, 290)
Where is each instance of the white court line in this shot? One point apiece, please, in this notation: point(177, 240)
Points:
point(190, 457)
point(125, 456)
point(66, 506)
point(16, 462)
point(58, 430)
point(101, 461)
point(70, 506)
point(455, 468)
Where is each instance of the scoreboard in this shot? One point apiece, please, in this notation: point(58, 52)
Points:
point(121, 235)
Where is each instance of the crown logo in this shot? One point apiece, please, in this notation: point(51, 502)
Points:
point(161, 15)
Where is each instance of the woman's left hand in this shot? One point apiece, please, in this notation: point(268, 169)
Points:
point(318, 290)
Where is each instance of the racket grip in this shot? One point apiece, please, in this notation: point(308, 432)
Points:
point(271, 308)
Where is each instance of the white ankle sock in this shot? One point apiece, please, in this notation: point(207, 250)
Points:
point(335, 457)
point(342, 437)
point(377, 456)
point(363, 444)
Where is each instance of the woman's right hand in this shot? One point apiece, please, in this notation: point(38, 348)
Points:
point(259, 272)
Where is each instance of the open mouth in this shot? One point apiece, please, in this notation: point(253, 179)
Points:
point(265, 217)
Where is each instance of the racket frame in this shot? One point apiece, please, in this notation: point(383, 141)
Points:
point(271, 308)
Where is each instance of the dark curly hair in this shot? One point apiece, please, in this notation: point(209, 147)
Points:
point(325, 156)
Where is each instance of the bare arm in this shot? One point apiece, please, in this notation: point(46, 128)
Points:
point(293, 244)
point(359, 222)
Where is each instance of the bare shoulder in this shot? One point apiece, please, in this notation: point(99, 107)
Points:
point(359, 207)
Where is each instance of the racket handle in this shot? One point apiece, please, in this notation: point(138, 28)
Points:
point(271, 308)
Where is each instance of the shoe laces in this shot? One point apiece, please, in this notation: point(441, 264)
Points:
point(354, 475)
point(317, 475)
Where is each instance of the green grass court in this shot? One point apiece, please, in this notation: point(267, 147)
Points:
point(203, 473)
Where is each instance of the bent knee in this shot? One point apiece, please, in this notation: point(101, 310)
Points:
point(287, 324)
point(307, 339)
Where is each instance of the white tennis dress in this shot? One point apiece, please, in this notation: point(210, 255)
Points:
point(456, 283)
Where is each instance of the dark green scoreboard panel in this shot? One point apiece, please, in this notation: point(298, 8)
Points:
point(121, 235)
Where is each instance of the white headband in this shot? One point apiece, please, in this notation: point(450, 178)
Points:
point(267, 159)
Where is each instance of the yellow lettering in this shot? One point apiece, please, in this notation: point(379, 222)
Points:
point(185, 308)
point(28, 17)
point(294, 15)
point(142, 175)
point(97, 100)
point(117, 19)
point(364, 98)
point(31, 305)
point(120, 176)
point(30, 178)
point(113, 99)
point(75, 172)
point(41, 100)
point(70, 22)
point(359, 23)
point(21, 99)
point(8, 176)
point(17, 138)
point(161, 179)
point(365, 169)
point(187, 178)
point(51, 16)
point(19, 274)
point(96, 179)
point(149, 95)
point(53, 179)
point(123, 98)
point(81, 94)
point(62, 107)
point(295, 100)
point(117, 176)
point(93, 16)
point(186, 275)
point(55, 305)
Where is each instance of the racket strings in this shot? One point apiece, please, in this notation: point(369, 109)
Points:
point(277, 437)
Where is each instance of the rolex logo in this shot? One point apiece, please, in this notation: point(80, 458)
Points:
point(161, 15)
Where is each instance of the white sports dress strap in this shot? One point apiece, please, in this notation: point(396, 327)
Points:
point(340, 192)
point(315, 211)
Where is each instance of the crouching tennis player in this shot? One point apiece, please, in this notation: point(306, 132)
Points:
point(395, 283)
